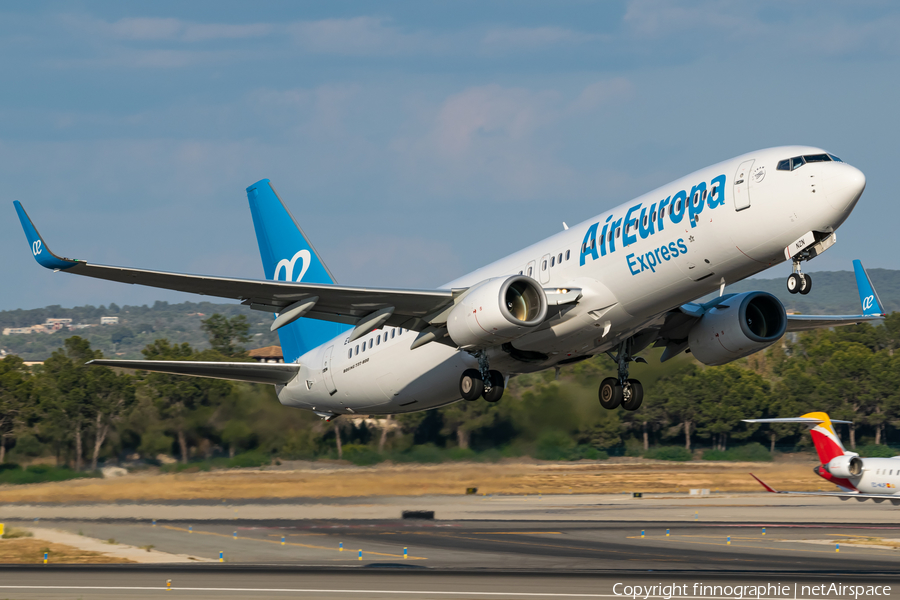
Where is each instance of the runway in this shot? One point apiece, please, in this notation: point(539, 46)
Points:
point(525, 553)
point(655, 508)
point(205, 583)
point(504, 545)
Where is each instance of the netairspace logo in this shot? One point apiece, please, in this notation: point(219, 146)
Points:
point(769, 590)
point(645, 221)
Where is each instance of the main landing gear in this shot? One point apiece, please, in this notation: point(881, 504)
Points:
point(798, 282)
point(481, 382)
point(622, 391)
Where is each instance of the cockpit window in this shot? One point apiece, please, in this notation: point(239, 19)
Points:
point(811, 158)
point(784, 165)
point(835, 158)
point(796, 163)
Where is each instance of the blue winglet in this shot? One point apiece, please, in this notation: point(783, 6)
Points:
point(39, 249)
point(871, 303)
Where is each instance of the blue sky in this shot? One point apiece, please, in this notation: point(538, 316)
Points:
point(414, 141)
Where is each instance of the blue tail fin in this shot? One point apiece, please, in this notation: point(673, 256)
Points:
point(288, 255)
point(871, 303)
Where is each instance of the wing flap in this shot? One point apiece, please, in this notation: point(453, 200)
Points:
point(271, 373)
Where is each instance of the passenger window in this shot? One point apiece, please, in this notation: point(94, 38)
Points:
point(399, 332)
point(544, 265)
point(653, 216)
point(567, 254)
point(392, 333)
point(784, 165)
point(356, 350)
point(610, 235)
point(796, 163)
point(552, 261)
point(364, 347)
point(378, 340)
point(618, 232)
point(704, 195)
point(559, 258)
point(593, 244)
point(529, 271)
point(350, 353)
point(678, 206)
point(371, 341)
point(520, 272)
point(644, 221)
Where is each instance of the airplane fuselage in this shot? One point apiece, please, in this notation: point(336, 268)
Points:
point(633, 264)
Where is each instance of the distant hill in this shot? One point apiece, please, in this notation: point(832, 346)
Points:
point(833, 292)
point(138, 326)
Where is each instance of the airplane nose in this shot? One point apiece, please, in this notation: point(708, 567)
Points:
point(846, 187)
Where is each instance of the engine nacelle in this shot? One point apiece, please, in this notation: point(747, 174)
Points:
point(738, 327)
point(845, 466)
point(497, 311)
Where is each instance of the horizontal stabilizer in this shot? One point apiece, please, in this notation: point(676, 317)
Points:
point(810, 420)
point(253, 372)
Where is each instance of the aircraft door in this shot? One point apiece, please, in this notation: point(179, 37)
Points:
point(326, 371)
point(742, 185)
point(544, 268)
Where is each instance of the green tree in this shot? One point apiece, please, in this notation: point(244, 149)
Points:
point(112, 396)
point(225, 334)
point(16, 386)
point(70, 401)
point(178, 398)
point(462, 418)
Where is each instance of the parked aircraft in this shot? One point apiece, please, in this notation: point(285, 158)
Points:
point(615, 284)
point(877, 479)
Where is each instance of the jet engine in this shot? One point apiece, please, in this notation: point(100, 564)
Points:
point(845, 466)
point(496, 311)
point(736, 327)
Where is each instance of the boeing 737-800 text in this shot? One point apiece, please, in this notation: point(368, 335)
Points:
point(615, 284)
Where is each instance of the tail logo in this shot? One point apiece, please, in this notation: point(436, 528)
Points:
point(288, 266)
point(36, 247)
point(868, 301)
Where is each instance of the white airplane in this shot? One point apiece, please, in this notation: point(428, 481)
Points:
point(615, 284)
point(876, 479)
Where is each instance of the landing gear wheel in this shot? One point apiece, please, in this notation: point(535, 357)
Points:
point(611, 393)
point(634, 393)
point(497, 384)
point(806, 287)
point(794, 283)
point(471, 385)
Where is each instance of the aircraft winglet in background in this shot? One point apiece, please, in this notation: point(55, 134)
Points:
point(876, 479)
point(615, 284)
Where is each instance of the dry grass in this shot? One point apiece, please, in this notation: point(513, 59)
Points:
point(31, 551)
point(508, 477)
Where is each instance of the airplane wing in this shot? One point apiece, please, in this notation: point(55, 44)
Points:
point(272, 373)
point(895, 500)
point(412, 309)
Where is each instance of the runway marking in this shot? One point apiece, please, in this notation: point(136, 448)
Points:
point(515, 533)
point(333, 549)
point(344, 591)
point(642, 554)
point(633, 537)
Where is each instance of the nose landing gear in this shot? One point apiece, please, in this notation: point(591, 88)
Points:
point(622, 391)
point(797, 282)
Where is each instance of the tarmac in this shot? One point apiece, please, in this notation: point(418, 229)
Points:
point(476, 547)
point(656, 508)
